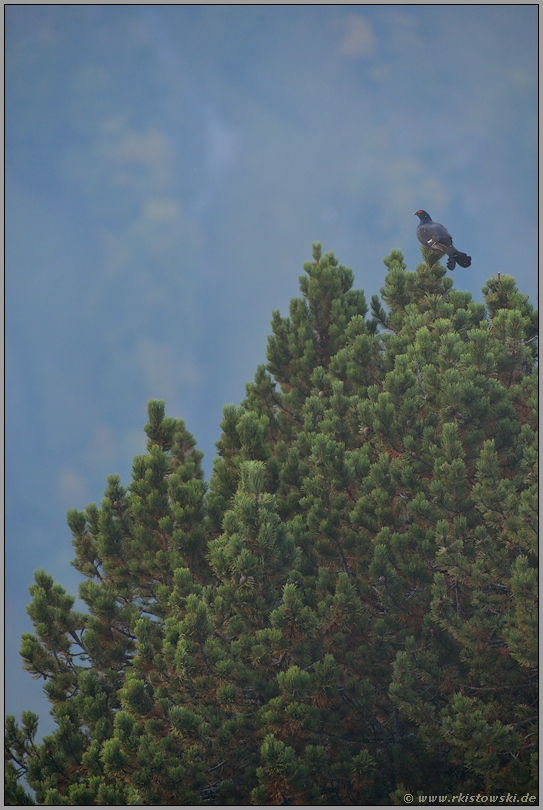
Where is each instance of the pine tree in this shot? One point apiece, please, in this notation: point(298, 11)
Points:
point(348, 612)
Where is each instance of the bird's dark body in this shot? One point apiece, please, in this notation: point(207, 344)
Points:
point(435, 236)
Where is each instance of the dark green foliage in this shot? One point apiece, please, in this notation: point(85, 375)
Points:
point(349, 614)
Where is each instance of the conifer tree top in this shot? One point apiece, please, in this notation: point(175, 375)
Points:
point(347, 613)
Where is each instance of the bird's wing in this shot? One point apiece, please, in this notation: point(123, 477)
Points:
point(435, 234)
point(443, 235)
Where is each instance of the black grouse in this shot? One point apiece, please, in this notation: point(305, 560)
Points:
point(436, 237)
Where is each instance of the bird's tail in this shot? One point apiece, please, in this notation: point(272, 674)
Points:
point(462, 259)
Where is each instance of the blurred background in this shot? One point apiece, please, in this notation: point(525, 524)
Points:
point(167, 169)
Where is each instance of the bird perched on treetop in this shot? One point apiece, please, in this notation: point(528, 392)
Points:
point(436, 237)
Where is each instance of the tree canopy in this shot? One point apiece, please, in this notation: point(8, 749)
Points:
point(348, 612)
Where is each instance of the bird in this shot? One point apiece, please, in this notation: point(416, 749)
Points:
point(436, 237)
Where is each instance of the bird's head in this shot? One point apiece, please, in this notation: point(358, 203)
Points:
point(421, 215)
